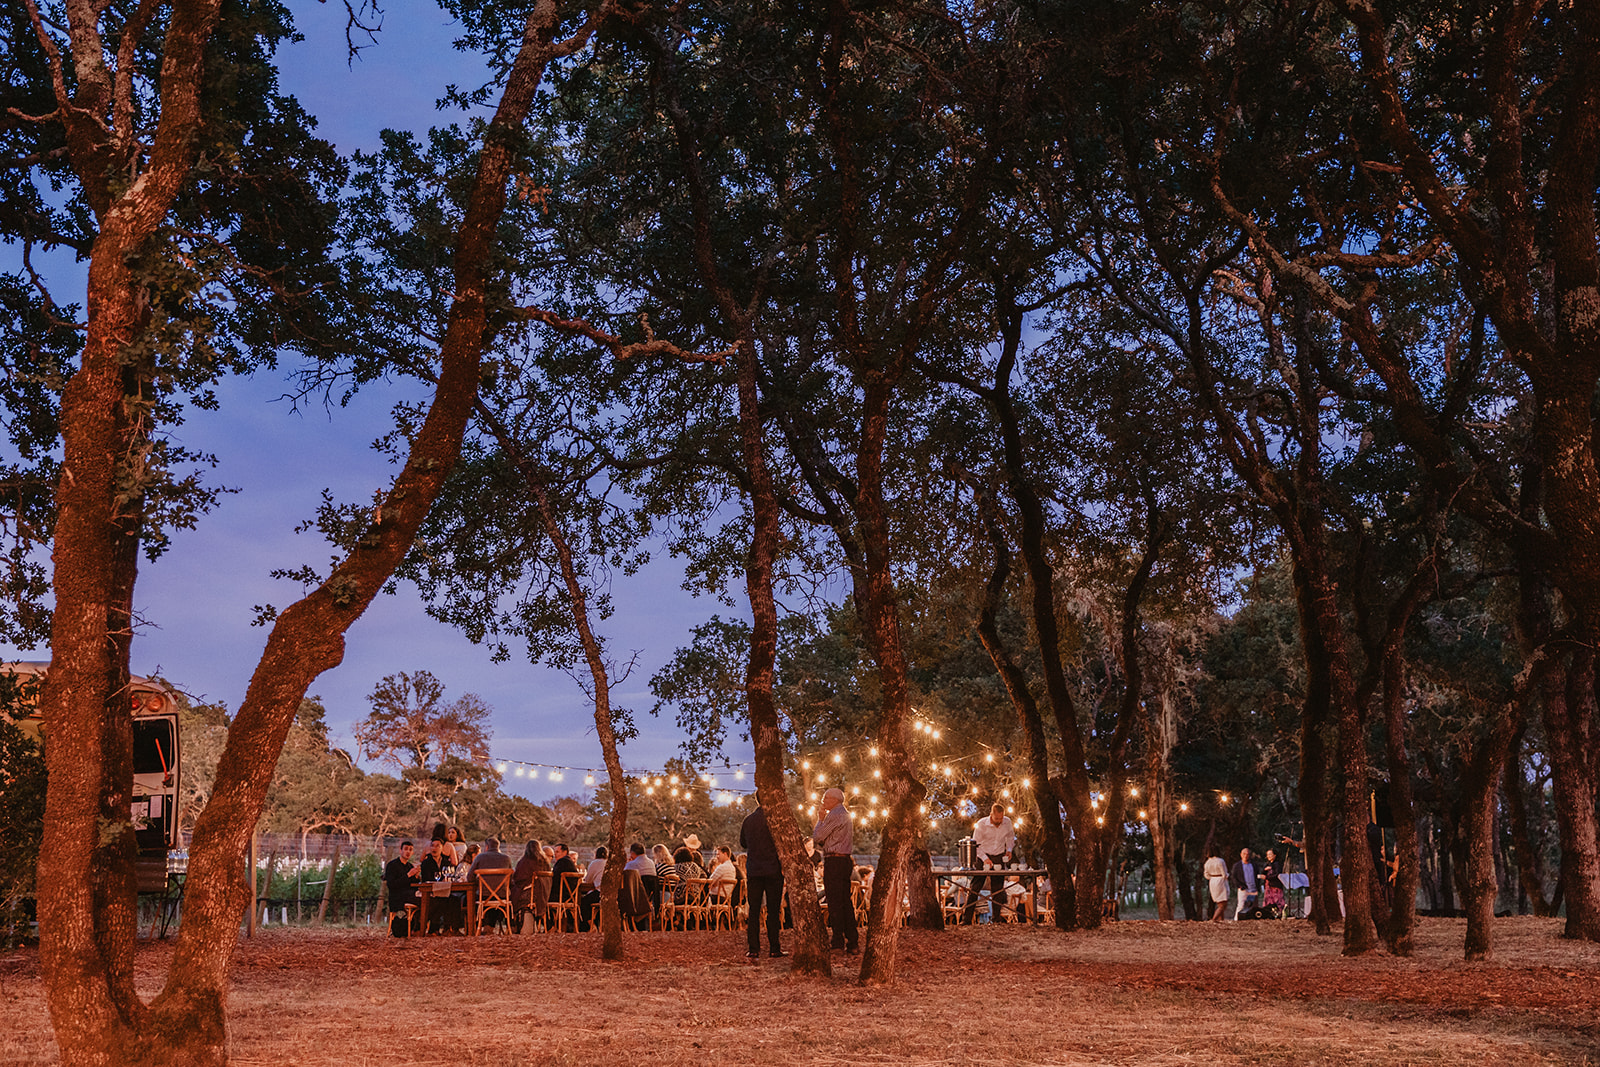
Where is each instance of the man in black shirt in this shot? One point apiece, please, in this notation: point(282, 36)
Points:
point(764, 876)
point(401, 876)
point(562, 889)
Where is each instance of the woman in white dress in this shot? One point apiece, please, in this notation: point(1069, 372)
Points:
point(1216, 869)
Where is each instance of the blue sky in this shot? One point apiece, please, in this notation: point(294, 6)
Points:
point(196, 601)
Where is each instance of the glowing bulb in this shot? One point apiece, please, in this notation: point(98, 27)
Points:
point(588, 779)
point(934, 765)
point(1224, 798)
point(1026, 784)
point(674, 779)
point(933, 823)
point(988, 757)
point(937, 735)
point(877, 774)
point(873, 751)
point(851, 814)
point(947, 772)
point(533, 772)
point(711, 781)
point(1018, 824)
point(1183, 806)
point(649, 790)
point(1006, 793)
point(874, 798)
point(805, 765)
point(674, 791)
point(1133, 790)
point(521, 771)
point(501, 767)
point(838, 758)
point(738, 776)
point(855, 790)
point(706, 778)
point(1011, 811)
point(815, 797)
point(821, 777)
point(922, 809)
point(1100, 820)
point(1143, 814)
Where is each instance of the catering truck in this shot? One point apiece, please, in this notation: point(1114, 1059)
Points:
point(156, 763)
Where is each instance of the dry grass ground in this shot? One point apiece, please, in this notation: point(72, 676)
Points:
point(1135, 993)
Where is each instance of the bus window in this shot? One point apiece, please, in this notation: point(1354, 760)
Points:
point(153, 746)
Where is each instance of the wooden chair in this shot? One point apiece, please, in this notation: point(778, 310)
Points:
point(634, 901)
point(494, 894)
point(534, 914)
point(689, 910)
point(669, 894)
point(719, 910)
point(565, 904)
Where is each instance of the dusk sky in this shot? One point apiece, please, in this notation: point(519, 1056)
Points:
point(197, 600)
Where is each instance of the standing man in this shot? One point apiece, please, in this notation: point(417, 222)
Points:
point(996, 841)
point(1243, 877)
point(835, 840)
point(401, 876)
point(764, 877)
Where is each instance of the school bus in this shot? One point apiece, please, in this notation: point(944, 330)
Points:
point(157, 763)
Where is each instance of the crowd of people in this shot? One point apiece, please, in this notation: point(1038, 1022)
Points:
point(749, 881)
point(1257, 884)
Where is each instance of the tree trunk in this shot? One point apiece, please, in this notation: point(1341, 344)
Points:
point(1524, 850)
point(86, 958)
point(902, 788)
point(1163, 735)
point(1031, 724)
point(1480, 789)
point(925, 912)
point(1398, 931)
point(327, 888)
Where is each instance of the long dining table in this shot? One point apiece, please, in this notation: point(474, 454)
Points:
point(1027, 876)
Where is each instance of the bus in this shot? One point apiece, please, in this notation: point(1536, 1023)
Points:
point(157, 764)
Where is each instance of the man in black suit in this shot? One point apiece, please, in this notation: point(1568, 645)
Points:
point(764, 876)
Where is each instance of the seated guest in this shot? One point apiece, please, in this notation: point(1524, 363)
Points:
point(687, 866)
point(561, 889)
point(532, 868)
point(491, 858)
point(589, 888)
point(638, 861)
point(456, 845)
point(665, 868)
point(724, 876)
point(444, 913)
point(436, 865)
point(400, 875)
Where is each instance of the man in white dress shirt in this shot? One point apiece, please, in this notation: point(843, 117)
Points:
point(996, 840)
